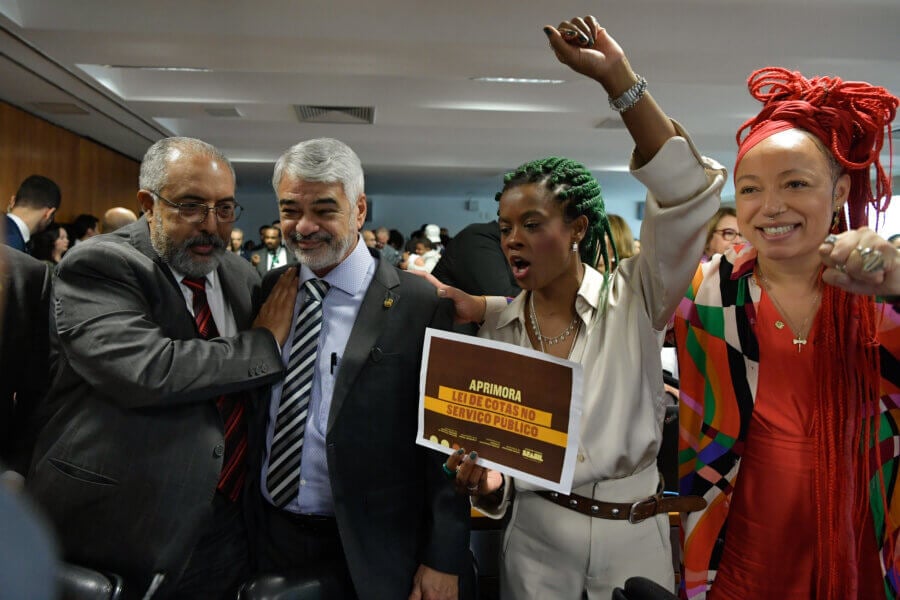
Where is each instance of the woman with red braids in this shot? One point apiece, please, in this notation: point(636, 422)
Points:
point(790, 369)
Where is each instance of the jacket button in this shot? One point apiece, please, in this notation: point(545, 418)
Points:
point(219, 450)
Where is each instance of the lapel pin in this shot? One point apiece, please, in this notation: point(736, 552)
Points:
point(388, 302)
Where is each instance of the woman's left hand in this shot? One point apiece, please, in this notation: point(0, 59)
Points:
point(471, 478)
point(861, 262)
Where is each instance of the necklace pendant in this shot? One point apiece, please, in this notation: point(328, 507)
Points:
point(800, 342)
point(779, 325)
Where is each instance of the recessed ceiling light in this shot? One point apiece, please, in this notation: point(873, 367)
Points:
point(156, 68)
point(518, 80)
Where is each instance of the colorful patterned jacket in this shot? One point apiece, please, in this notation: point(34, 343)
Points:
point(718, 358)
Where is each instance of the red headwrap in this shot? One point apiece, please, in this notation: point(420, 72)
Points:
point(849, 117)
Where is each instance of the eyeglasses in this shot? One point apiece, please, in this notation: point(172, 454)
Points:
point(729, 234)
point(194, 212)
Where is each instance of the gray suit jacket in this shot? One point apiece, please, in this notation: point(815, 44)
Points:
point(127, 465)
point(263, 266)
point(394, 507)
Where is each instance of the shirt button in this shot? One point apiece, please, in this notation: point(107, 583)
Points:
point(219, 450)
point(302, 482)
point(580, 457)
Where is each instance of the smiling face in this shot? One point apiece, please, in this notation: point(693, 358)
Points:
point(536, 239)
point(786, 196)
point(194, 249)
point(320, 225)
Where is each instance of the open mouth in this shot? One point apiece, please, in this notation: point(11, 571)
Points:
point(519, 266)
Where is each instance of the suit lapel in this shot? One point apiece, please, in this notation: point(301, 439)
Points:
point(237, 299)
point(369, 324)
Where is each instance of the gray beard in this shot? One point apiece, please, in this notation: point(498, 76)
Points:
point(179, 257)
point(322, 258)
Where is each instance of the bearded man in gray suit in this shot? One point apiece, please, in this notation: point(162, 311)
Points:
point(338, 482)
point(141, 464)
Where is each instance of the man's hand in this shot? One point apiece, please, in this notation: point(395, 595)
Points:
point(254, 260)
point(278, 311)
point(429, 584)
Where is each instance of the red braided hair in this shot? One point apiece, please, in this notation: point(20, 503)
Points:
point(850, 119)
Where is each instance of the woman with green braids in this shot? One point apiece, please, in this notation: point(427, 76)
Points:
point(552, 224)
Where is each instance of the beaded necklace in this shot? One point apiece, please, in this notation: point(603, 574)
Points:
point(573, 326)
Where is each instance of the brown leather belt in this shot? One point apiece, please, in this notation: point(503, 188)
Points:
point(633, 512)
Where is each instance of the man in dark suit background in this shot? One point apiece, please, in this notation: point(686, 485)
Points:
point(141, 462)
point(24, 352)
point(338, 478)
point(31, 210)
point(273, 254)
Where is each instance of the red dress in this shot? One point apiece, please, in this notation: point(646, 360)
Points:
point(770, 542)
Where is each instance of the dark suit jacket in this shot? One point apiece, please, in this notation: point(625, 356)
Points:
point(24, 353)
point(127, 465)
point(394, 507)
point(263, 267)
point(14, 237)
point(474, 262)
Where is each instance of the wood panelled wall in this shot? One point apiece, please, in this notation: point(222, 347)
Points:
point(92, 177)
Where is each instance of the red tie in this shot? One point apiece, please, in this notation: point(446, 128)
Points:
point(231, 407)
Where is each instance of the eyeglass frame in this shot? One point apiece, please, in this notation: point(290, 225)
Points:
point(238, 209)
point(728, 234)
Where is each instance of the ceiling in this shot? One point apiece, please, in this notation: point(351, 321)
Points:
point(436, 130)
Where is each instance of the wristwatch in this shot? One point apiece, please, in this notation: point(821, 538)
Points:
point(629, 97)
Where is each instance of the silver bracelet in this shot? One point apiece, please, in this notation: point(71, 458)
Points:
point(630, 97)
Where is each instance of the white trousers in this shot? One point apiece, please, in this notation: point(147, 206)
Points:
point(553, 553)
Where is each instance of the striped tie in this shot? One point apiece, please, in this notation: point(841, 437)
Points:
point(283, 478)
point(231, 407)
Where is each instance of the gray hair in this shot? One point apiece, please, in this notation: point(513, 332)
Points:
point(154, 171)
point(325, 160)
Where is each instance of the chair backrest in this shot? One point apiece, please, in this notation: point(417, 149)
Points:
point(81, 583)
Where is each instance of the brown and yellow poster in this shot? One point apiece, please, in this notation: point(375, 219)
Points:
point(518, 408)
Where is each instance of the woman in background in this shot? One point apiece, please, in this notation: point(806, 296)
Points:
point(721, 233)
point(789, 375)
point(50, 244)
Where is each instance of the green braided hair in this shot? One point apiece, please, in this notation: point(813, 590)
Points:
point(578, 193)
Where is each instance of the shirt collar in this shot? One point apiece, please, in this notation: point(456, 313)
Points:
point(586, 300)
point(350, 274)
point(212, 278)
point(23, 227)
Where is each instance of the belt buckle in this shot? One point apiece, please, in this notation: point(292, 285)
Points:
point(651, 500)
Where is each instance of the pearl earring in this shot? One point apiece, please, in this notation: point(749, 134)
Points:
point(574, 246)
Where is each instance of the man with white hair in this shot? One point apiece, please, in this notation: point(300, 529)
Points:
point(141, 463)
point(341, 486)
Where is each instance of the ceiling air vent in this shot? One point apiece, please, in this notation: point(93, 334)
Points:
point(223, 112)
point(611, 123)
point(359, 115)
point(59, 108)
